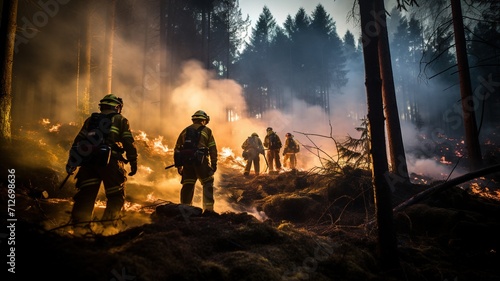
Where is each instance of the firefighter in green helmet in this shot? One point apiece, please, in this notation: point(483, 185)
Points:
point(110, 130)
point(195, 157)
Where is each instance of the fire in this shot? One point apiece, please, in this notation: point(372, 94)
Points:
point(226, 152)
point(227, 155)
point(142, 136)
point(151, 197)
point(129, 206)
point(55, 128)
point(46, 123)
point(158, 145)
point(100, 204)
point(145, 169)
point(486, 192)
point(443, 160)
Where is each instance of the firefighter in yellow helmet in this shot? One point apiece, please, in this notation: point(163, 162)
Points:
point(197, 161)
point(110, 128)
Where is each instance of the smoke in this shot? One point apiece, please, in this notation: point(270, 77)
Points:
point(57, 91)
point(224, 102)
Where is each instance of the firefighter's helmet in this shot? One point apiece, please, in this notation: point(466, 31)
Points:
point(111, 100)
point(255, 135)
point(288, 135)
point(202, 115)
point(269, 129)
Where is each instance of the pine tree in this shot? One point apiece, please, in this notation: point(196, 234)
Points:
point(355, 152)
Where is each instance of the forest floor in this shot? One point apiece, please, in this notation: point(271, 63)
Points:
point(291, 226)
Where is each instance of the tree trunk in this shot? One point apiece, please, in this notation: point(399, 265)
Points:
point(395, 140)
point(108, 48)
point(383, 203)
point(469, 116)
point(145, 17)
point(84, 67)
point(8, 34)
point(166, 62)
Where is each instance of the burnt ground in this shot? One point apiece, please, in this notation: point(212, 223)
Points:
point(291, 226)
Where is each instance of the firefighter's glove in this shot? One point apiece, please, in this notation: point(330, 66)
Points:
point(214, 167)
point(70, 169)
point(133, 168)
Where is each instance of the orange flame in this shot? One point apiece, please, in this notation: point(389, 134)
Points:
point(158, 145)
point(226, 152)
point(55, 128)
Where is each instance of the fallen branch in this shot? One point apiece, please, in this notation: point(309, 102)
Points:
point(442, 187)
point(448, 184)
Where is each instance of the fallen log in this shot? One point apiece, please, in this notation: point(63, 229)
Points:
point(440, 188)
point(445, 185)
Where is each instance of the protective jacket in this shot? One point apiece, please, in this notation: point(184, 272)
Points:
point(113, 175)
point(203, 172)
point(273, 143)
point(120, 137)
point(252, 148)
point(289, 151)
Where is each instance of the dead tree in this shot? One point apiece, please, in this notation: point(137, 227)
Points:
point(397, 154)
point(469, 116)
point(7, 40)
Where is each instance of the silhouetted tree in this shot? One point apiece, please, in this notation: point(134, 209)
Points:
point(328, 61)
point(484, 59)
point(355, 152)
point(107, 69)
point(383, 203)
point(468, 107)
point(397, 154)
point(256, 58)
point(7, 38)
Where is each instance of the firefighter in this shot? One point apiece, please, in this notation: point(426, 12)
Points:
point(205, 166)
point(272, 143)
point(252, 148)
point(290, 149)
point(118, 137)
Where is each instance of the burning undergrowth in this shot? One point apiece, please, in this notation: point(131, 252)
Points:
point(290, 226)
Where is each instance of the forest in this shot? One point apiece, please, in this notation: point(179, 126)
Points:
point(89, 48)
point(409, 106)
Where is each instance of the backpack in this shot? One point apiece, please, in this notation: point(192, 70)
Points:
point(274, 142)
point(292, 145)
point(189, 153)
point(250, 143)
point(94, 149)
